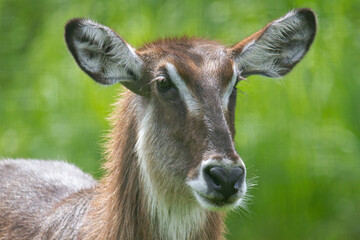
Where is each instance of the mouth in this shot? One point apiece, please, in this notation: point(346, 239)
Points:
point(215, 204)
point(219, 187)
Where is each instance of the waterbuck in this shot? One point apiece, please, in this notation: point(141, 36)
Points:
point(172, 170)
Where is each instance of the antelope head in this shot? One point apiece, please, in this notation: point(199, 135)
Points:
point(185, 95)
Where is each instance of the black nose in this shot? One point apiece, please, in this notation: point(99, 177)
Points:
point(225, 181)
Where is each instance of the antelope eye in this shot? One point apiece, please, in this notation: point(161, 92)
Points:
point(164, 84)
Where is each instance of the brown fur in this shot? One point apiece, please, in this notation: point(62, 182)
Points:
point(122, 179)
point(127, 217)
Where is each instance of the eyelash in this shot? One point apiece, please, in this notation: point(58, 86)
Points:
point(164, 83)
point(239, 78)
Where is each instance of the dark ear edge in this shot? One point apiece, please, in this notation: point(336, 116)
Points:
point(310, 18)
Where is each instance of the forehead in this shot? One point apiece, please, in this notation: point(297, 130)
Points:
point(196, 60)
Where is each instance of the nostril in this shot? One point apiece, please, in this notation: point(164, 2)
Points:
point(236, 176)
point(219, 175)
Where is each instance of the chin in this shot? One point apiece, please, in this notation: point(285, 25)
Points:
point(217, 206)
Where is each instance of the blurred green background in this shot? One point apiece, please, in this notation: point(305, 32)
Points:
point(299, 135)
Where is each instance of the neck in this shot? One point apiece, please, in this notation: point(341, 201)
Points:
point(127, 204)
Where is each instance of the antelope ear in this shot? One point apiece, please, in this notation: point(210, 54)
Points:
point(104, 55)
point(277, 48)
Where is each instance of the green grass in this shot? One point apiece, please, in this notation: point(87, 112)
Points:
point(300, 135)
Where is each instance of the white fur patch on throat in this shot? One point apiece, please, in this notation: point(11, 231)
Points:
point(173, 220)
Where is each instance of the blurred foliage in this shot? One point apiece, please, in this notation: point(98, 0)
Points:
point(300, 134)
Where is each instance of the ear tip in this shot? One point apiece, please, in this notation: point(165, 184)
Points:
point(75, 23)
point(309, 16)
point(72, 29)
point(71, 33)
point(305, 11)
point(71, 26)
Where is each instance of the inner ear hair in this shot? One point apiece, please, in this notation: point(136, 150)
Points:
point(103, 54)
point(277, 48)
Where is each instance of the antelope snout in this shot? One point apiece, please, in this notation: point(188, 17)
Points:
point(226, 182)
point(220, 183)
